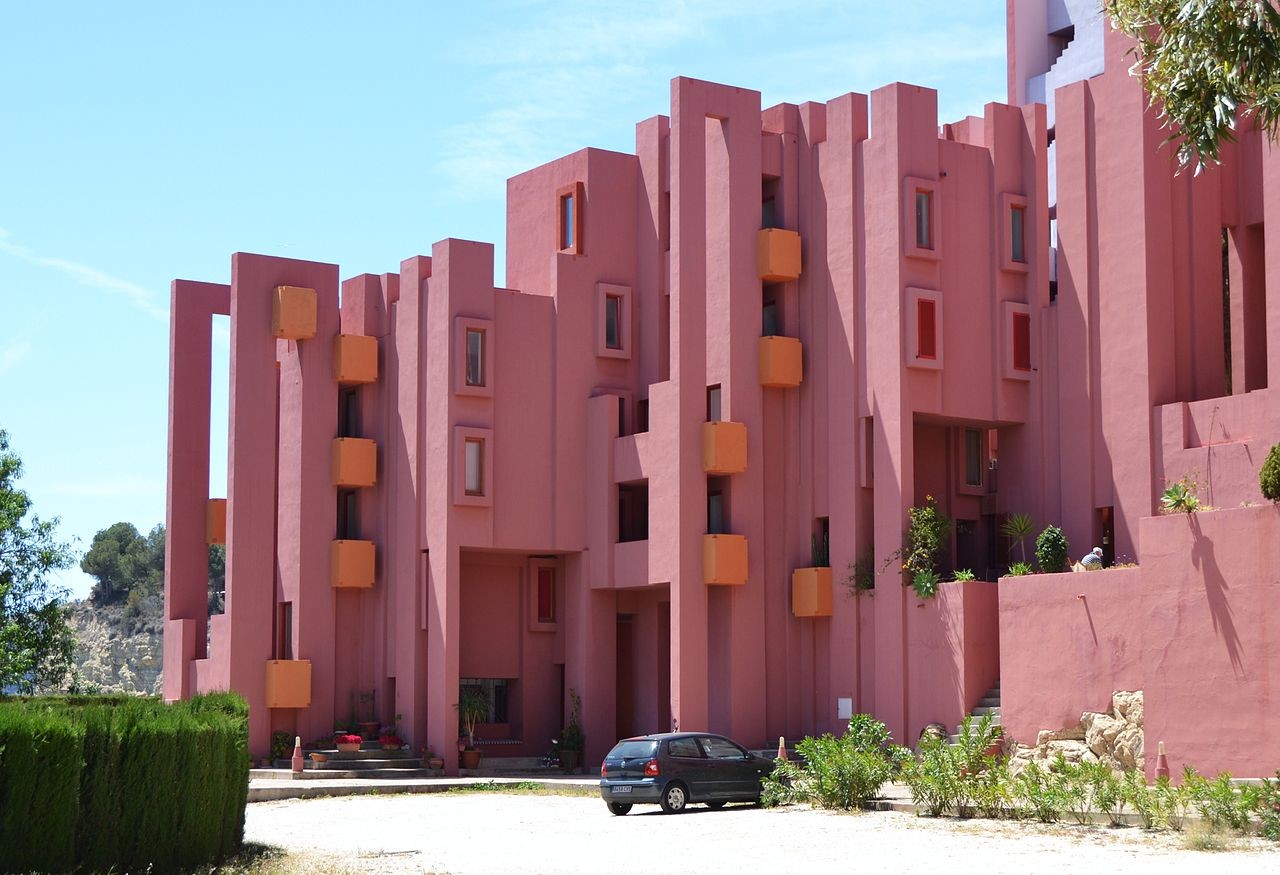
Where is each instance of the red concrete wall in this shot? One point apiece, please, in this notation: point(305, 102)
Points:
point(1194, 627)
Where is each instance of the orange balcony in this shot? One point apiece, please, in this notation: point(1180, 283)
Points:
point(811, 592)
point(293, 313)
point(355, 462)
point(724, 559)
point(781, 362)
point(355, 359)
point(724, 447)
point(351, 564)
point(288, 683)
point(778, 255)
point(215, 521)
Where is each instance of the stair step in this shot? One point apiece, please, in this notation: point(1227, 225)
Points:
point(993, 710)
point(990, 702)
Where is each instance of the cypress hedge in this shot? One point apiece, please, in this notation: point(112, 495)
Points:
point(120, 783)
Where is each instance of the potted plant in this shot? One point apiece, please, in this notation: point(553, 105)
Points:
point(348, 742)
point(390, 739)
point(473, 707)
point(572, 739)
point(429, 758)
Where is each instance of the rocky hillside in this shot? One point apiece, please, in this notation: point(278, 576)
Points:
point(121, 647)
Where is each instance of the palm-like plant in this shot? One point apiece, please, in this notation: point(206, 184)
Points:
point(1180, 497)
point(1018, 527)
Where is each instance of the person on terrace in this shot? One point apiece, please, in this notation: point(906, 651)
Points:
point(1092, 561)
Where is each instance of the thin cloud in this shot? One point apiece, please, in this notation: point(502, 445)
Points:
point(89, 276)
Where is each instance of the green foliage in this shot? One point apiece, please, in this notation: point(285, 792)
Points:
point(1221, 803)
point(1052, 550)
point(925, 538)
point(36, 641)
point(281, 745)
point(122, 561)
point(1269, 476)
point(862, 573)
point(821, 550)
point(840, 772)
point(965, 574)
point(962, 776)
point(217, 578)
point(1107, 791)
point(1018, 569)
point(123, 784)
point(572, 737)
point(1180, 497)
point(1018, 527)
point(473, 708)
point(925, 584)
point(1269, 808)
point(1077, 796)
point(1041, 792)
point(1201, 61)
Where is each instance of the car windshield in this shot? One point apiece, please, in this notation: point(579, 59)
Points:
point(642, 747)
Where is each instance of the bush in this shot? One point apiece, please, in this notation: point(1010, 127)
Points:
point(963, 776)
point(1042, 793)
point(128, 784)
point(925, 584)
point(1220, 802)
point(1269, 808)
point(844, 772)
point(926, 537)
point(1018, 569)
point(1052, 550)
point(1269, 476)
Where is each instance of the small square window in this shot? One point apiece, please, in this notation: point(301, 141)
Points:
point(475, 357)
point(474, 466)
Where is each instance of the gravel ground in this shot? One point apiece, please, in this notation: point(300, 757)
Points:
point(503, 833)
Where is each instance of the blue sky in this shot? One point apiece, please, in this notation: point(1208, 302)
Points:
point(140, 142)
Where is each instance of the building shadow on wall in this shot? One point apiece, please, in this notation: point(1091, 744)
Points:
point(1216, 593)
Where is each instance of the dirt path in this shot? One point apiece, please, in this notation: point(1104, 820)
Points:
point(500, 833)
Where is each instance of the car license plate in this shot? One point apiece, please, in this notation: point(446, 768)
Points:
point(622, 789)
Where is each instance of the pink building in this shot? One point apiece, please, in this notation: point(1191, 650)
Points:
point(763, 332)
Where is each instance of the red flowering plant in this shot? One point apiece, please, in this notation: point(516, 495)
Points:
point(390, 739)
point(347, 739)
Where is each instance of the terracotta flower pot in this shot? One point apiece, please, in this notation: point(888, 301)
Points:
point(319, 757)
point(348, 747)
point(470, 759)
point(435, 763)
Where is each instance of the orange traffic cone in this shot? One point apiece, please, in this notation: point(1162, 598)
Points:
point(1162, 763)
point(297, 754)
point(782, 747)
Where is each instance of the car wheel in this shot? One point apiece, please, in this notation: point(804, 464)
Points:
point(717, 805)
point(619, 808)
point(674, 798)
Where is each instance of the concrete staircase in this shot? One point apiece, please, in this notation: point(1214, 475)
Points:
point(989, 704)
point(370, 762)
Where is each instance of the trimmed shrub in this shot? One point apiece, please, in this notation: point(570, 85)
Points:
point(1052, 550)
point(1269, 476)
point(134, 783)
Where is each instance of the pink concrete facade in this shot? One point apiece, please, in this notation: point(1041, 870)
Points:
point(551, 511)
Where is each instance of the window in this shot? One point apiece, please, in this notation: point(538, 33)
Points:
point(475, 356)
point(566, 221)
point(474, 466)
point(546, 594)
point(715, 512)
point(973, 457)
point(642, 415)
point(495, 690)
point(1022, 341)
point(924, 219)
point(613, 321)
point(684, 747)
point(769, 213)
point(633, 511)
point(1017, 219)
point(926, 329)
point(713, 403)
point(721, 749)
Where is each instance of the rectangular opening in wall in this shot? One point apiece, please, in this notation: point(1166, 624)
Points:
point(613, 321)
point(219, 404)
point(567, 218)
point(664, 220)
point(1226, 310)
point(717, 523)
point(496, 691)
point(284, 631)
point(546, 594)
point(924, 219)
point(868, 451)
point(974, 461)
point(348, 515)
point(349, 412)
point(926, 329)
point(642, 415)
point(713, 403)
point(1017, 218)
point(474, 464)
point(770, 312)
point(1021, 342)
point(770, 214)
point(820, 542)
point(633, 511)
point(622, 416)
point(475, 356)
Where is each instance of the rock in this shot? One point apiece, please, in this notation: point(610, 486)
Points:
point(1070, 733)
point(1128, 748)
point(1072, 751)
point(116, 653)
point(1123, 702)
point(1101, 731)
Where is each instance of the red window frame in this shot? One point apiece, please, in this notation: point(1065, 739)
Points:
point(1021, 341)
point(926, 329)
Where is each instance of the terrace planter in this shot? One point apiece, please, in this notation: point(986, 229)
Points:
point(469, 759)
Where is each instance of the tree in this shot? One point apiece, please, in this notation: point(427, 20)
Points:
point(1202, 62)
point(36, 640)
point(121, 561)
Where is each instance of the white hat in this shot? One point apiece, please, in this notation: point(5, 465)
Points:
point(1098, 550)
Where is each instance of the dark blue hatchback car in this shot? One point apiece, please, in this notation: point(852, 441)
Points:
point(674, 769)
